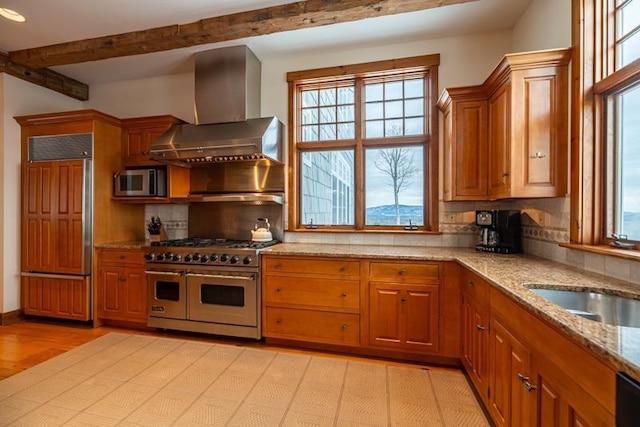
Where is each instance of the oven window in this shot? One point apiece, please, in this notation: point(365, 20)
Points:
point(168, 291)
point(222, 295)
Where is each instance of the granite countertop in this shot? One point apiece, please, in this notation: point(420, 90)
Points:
point(617, 344)
point(133, 244)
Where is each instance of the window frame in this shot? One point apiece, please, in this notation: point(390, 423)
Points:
point(596, 78)
point(425, 64)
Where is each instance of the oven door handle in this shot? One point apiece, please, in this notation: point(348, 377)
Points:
point(166, 273)
point(222, 276)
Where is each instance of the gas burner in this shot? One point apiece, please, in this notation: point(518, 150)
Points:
point(198, 242)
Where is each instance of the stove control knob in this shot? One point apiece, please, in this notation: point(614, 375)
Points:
point(234, 260)
point(168, 256)
point(204, 258)
point(188, 258)
point(177, 257)
point(224, 258)
point(247, 260)
point(160, 257)
point(196, 257)
point(213, 257)
point(150, 256)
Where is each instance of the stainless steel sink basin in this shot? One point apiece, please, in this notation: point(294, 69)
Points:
point(605, 308)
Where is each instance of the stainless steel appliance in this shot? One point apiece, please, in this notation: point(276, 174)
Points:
point(146, 182)
point(227, 110)
point(205, 285)
point(500, 231)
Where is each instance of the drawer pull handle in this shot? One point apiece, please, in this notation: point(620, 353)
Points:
point(278, 290)
point(530, 387)
point(122, 257)
point(538, 155)
point(343, 268)
point(343, 327)
point(480, 327)
point(278, 265)
point(121, 279)
point(403, 300)
point(522, 378)
point(402, 272)
point(279, 321)
point(343, 295)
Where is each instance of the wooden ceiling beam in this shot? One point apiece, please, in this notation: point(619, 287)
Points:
point(46, 78)
point(286, 17)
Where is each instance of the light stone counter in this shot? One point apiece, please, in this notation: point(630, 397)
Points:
point(134, 244)
point(617, 344)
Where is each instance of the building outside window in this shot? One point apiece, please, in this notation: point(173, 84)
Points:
point(363, 146)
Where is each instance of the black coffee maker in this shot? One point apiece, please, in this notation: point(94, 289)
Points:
point(500, 231)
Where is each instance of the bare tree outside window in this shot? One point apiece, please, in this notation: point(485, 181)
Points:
point(398, 165)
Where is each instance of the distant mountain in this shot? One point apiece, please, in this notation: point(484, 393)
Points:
point(631, 224)
point(386, 215)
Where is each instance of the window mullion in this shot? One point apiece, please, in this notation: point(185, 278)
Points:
point(359, 155)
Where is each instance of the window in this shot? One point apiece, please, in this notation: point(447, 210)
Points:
point(361, 152)
point(614, 107)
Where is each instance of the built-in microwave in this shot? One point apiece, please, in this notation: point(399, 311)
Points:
point(148, 182)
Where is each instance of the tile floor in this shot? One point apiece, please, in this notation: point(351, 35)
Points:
point(137, 380)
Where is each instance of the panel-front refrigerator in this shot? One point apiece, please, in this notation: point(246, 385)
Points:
point(56, 227)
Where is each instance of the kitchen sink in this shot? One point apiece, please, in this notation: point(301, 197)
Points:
point(600, 307)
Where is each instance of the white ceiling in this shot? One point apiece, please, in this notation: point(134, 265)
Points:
point(58, 21)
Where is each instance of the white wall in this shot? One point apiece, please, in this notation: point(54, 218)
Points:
point(19, 98)
point(546, 24)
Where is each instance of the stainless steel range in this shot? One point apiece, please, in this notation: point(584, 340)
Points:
point(205, 285)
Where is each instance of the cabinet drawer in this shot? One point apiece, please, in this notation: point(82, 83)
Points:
point(110, 256)
point(395, 271)
point(330, 293)
point(312, 266)
point(311, 325)
point(475, 287)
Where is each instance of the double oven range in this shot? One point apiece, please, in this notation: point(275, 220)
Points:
point(205, 285)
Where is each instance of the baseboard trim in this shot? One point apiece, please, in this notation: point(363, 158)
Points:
point(11, 317)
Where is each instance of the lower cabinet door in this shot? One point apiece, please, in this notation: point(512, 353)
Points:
point(404, 316)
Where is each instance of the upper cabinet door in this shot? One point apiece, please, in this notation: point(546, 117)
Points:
point(137, 136)
point(517, 145)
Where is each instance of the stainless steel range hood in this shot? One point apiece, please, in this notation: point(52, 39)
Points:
point(227, 110)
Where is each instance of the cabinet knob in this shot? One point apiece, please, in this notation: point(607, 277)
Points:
point(278, 265)
point(470, 283)
point(402, 272)
point(538, 155)
point(343, 295)
point(343, 327)
point(480, 327)
point(505, 174)
point(343, 268)
point(278, 290)
point(279, 321)
point(121, 257)
point(403, 300)
point(121, 279)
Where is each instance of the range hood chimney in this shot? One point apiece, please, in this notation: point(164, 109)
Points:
point(227, 114)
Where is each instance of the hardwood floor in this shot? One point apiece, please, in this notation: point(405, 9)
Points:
point(29, 342)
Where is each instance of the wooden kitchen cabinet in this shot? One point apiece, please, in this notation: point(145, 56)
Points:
point(511, 397)
point(311, 299)
point(137, 135)
point(538, 377)
point(509, 137)
point(475, 331)
point(404, 306)
point(121, 286)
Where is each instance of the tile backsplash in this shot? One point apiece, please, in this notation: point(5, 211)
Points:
point(545, 224)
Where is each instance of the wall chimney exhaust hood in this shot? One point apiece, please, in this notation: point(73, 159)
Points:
point(227, 110)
